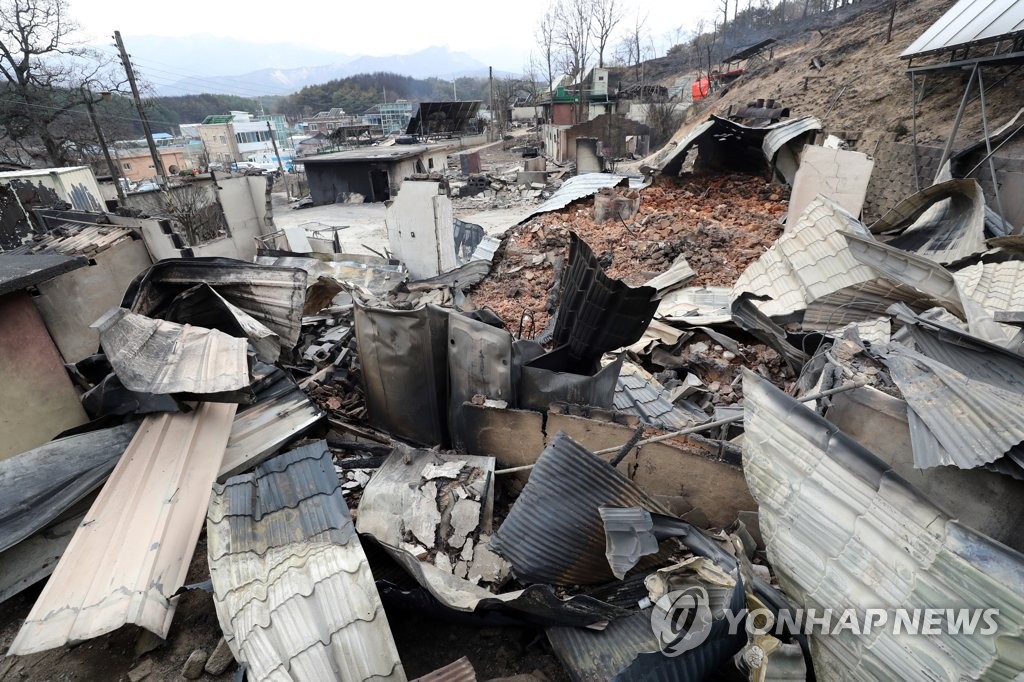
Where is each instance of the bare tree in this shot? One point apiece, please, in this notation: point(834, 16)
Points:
point(635, 46)
point(572, 35)
point(191, 206)
point(548, 50)
point(532, 77)
point(42, 73)
point(606, 16)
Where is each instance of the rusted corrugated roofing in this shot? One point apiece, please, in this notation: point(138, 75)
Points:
point(554, 533)
point(156, 356)
point(133, 550)
point(844, 531)
point(272, 295)
point(39, 485)
point(293, 590)
point(969, 22)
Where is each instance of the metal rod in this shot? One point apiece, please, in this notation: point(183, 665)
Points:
point(702, 427)
point(956, 121)
point(997, 148)
point(988, 147)
point(913, 127)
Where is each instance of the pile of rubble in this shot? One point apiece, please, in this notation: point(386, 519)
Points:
point(658, 392)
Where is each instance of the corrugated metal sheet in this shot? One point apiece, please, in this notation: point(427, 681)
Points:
point(596, 313)
point(35, 557)
point(554, 533)
point(996, 286)
point(37, 486)
point(779, 134)
point(156, 356)
point(19, 272)
point(640, 394)
point(676, 276)
point(486, 249)
point(944, 222)
point(582, 186)
point(202, 306)
point(969, 21)
point(377, 275)
point(815, 269)
point(272, 295)
point(458, 671)
point(843, 531)
point(281, 412)
point(696, 305)
point(956, 418)
point(133, 550)
point(672, 162)
point(293, 590)
point(479, 363)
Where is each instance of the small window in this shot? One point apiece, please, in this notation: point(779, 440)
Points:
point(126, 166)
point(430, 163)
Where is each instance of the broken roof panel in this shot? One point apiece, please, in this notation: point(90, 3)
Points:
point(282, 411)
point(596, 313)
point(583, 186)
point(292, 587)
point(37, 486)
point(272, 295)
point(202, 306)
point(944, 222)
point(433, 118)
point(782, 133)
point(558, 508)
point(956, 418)
point(70, 237)
point(640, 394)
point(377, 275)
point(20, 272)
point(457, 671)
point(696, 305)
point(843, 531)
point(155, 356)
point(133, 550)
point(996, 286)
point(969, 22)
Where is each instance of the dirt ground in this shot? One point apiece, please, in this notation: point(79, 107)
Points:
point(720, 224)
point(863, 85)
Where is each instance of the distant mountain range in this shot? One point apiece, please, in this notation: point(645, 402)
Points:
point(282, 68)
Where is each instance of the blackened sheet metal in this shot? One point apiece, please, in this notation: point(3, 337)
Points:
point(944, 222)
point(37, 486)
point(273, 295)
point(404, 359)
point(375, 274)
point(21, 272)
point(479, 363)
point(547, 379)
point(554, 533)
point(749, 317)
point(110, 397)
point(202, 306)
point(596, 313)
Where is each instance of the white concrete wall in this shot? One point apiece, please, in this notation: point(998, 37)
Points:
point(420, 225)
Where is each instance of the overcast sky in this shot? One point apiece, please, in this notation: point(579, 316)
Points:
point(501, 33)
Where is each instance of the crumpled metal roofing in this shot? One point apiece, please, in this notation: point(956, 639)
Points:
point(956, 417)
point(272, 295)
point(996, 286)
point(282, 411)
point(37, 486)
point(944, 222)
point(583, 186)
point(293, 590)
point(640, 394)
point(156, 356)
point(676, 276)
point(133, 550)
point(554, 533)
point(843, 531)
point(813, 269)
point(596, 313)
point(696, 305)
point(967, 22)
point(377, 275)
point(781, 133)
point(202, 306)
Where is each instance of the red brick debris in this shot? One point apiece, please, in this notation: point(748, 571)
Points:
point(720, 224)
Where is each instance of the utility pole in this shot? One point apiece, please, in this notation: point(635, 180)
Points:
point(280, 164)
point(130, 72)
point(103, 145)
point(490, 77)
